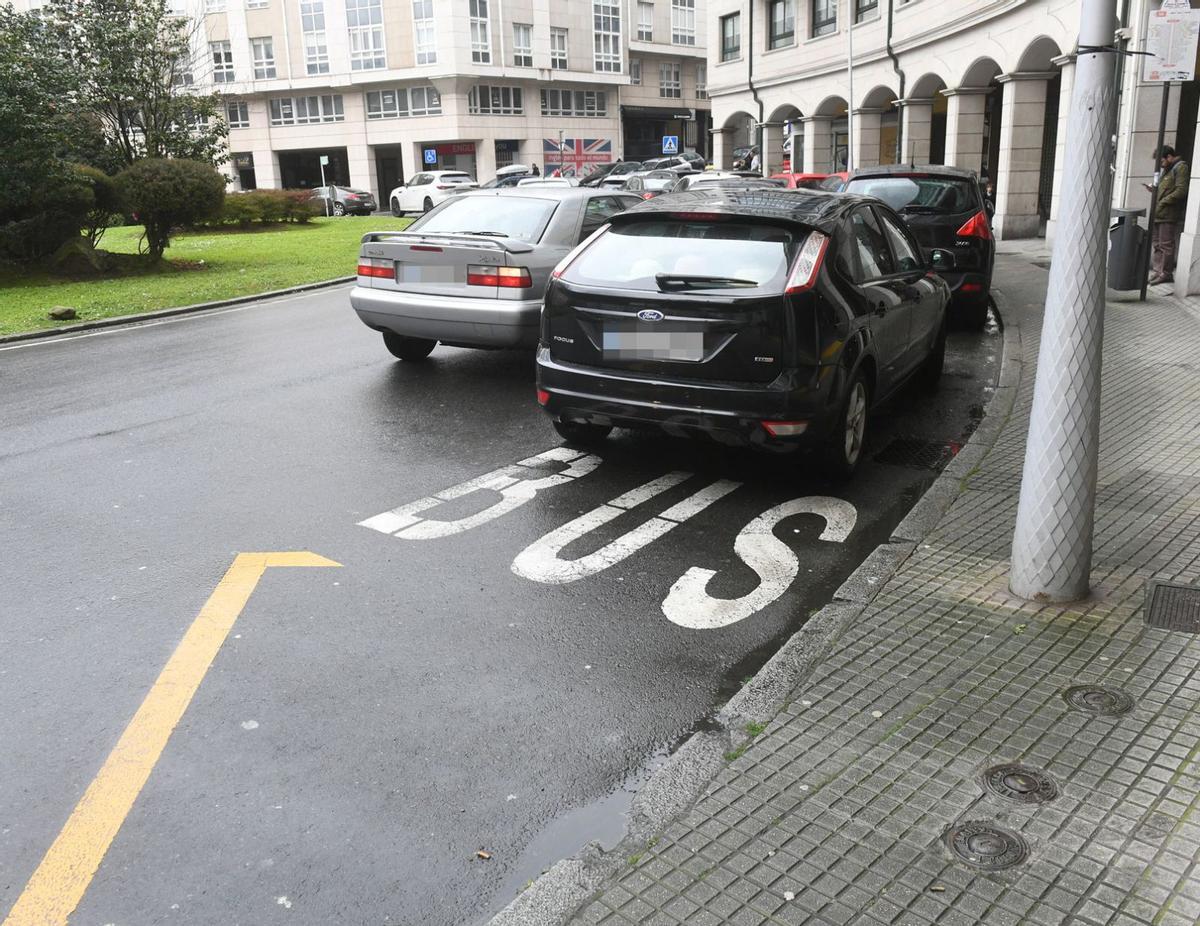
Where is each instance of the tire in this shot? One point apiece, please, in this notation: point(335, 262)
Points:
point(339, 209)
point(844, 448)
point(974, 314)
point(410, 349)
point(930, 373)
point(396, 210)
point(428, 204)
point(585, 435)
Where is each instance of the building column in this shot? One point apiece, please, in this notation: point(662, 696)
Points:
point(1022, 127)
point(719, 141)
point(866, 136)
point(1066, 67)
point(916, 130)
point(1187, 260)
point(965, 108)
point(485, 160)
point(771, 153)
point(266, 169)
point(360, 161)
point(818, 144)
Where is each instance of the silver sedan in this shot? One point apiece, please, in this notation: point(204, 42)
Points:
point(472, 272)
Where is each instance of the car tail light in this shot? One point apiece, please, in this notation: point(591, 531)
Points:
point(808, 263)
point(647, 195)
point(976, 227)
point(508, 277)
point(444, 186)
point(699, 216)
point(785, 428)
point(971, 288)
point(376, 267)
point(543, 397)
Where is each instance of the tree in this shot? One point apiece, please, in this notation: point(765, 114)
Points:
point(133, 62)
point(164, 194)
point(106, 202)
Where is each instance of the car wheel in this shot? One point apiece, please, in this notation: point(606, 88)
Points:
point(586, 435)
point(396, 210)
point(931, 370)
point(411, 349)
point(339, 209)
point(428, 203)
point(844, 448)
point(974, 314)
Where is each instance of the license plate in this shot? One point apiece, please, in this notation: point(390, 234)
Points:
point(624, 344)
point(419, 273)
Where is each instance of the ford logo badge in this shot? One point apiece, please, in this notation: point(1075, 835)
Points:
point(650, 315)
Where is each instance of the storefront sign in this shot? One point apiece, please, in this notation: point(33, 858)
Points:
point(576, 155)
point(1171, 40)
point(457, 147)
point(243, 161)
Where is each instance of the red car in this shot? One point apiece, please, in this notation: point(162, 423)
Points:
point(830, 182)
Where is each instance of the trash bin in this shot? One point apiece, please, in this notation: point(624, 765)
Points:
point(1126, 238)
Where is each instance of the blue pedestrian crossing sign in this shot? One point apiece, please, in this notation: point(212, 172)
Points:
point(431, 155)
point(670, 144)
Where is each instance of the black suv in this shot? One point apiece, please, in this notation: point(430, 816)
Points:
point(944, 208)
point(767, 317)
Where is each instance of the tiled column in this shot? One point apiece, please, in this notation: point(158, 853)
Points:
point(361, 162)
point(866, 137)
point(818, 133)
point(769, 154)
point(720, 145)
point(1187, 261)
point(1066, 67)
point(916, 130)
point(266, 169)
point(965, 107)
point(1022, 126)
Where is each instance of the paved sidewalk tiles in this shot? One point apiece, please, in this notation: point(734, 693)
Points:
point(843, 804)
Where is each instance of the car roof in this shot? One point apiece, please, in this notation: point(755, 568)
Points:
point(886, 170)
point(538, 192)
point(815, 208)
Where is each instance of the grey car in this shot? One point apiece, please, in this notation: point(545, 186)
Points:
point(341, 200)
point(472, 272)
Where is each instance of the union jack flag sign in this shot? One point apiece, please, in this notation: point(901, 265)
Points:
point(576, 155)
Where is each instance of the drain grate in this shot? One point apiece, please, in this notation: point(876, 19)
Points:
point(1102, 700)
point(1020, 783)
point(986, 846)
point(1171, 606)
point(917, 453)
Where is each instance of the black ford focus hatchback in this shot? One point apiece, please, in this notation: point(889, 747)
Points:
point(774, 318)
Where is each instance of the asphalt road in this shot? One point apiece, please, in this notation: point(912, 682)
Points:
point(364, 731)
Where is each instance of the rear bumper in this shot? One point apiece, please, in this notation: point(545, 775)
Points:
point(453, 319)
point(730, 413)
point(967, 286)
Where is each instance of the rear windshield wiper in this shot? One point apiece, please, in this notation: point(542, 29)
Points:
point(490, 234)
point(667, 281)
point(922, 210)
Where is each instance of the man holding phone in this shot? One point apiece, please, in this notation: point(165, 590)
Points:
point(1168, 214)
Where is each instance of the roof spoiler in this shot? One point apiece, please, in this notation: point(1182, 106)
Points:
point(512, 245)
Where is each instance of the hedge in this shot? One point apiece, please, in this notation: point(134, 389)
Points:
point(265, 207)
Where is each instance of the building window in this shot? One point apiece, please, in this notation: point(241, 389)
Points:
point(214, 6)
point(183, 71)
point(574, 103)
point(702, 81)
point(645, 32)
point(424, 32)
point(522, 45)
point(425, 101)
point(606, 21)
point(495, 101)
point(669, 84)
point(303, 110)
point(635, 70)
point(395, 103)
point(364, 21)
point(864, 9)
point(731, 37)
point(683, 22)
point(824, 17)
point(256, 4)
point(262, 53)
point(481, 39)
point(316, 48)
point(781, 24)
point(237, 114)
point(558, 49)
point(222, 59)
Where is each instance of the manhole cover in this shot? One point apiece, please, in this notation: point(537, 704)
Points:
point(1020, 783)
point(1102, 700)
point(986, 846)
point(917, 453)
point(1170, 606)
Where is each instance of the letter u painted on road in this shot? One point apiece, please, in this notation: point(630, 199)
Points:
point(688, 604)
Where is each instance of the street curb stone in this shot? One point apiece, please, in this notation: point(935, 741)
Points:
point(134, 320)
point(555, 897)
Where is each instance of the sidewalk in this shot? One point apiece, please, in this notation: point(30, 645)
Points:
point(841, 811)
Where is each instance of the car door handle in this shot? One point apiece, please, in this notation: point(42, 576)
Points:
point(881, 309)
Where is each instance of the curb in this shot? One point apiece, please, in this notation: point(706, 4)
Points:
point(562, 890)
point(133, 320)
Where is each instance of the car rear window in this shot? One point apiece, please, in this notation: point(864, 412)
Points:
point(514, 216)
point(455, 177)
point(919, 194)
point(809, 184)
point(631, 255)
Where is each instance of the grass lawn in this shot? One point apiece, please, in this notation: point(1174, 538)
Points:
point(234, 264)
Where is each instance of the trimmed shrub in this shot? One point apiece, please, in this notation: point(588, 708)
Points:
point(165, 193)
point(301, 206)
point(107, 206)
point(51, 217)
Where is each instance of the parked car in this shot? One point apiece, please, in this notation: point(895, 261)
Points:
point(676, 163)
point(774, 321)
point(743, 156)
point(650, 183)
point(428, 189)
point(944, 208)
point(801, 181)
point(472, 272)
point(342, 200)
point(499, 183)
point(713, 178)
point(547, 181)
point(508, 176)
point(604, 173)
point(835, 183)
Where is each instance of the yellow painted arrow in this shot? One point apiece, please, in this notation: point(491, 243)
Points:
point(60, 881)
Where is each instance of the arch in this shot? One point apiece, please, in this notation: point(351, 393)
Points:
point(831, 106)
point(1039, 55)
point(980, 74)
point(784, 138)
point(737, 132)
point(926, 87)
point(880, 97)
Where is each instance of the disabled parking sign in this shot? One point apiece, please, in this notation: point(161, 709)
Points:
point(670, 144)
point(431, 155)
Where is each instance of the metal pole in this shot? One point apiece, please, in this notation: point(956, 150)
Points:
point(1162, 135)
point(1052, 544)
point(325, 190)
point(850, 70)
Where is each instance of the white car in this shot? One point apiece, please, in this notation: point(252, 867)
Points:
point(547, 181)
point(428, 189)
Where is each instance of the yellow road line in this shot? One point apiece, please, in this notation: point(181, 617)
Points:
point(60, 881)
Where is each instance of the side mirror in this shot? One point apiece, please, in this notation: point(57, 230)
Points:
point(941, 259)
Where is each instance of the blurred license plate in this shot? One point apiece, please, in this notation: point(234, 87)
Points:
point(418, 273)
point(653, 345)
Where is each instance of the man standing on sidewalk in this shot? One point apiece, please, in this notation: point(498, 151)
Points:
point(1168, 214)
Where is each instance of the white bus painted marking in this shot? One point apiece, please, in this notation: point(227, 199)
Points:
point(512, 482)
point(688, 604)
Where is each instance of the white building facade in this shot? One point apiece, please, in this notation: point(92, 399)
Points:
point(984, 84)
